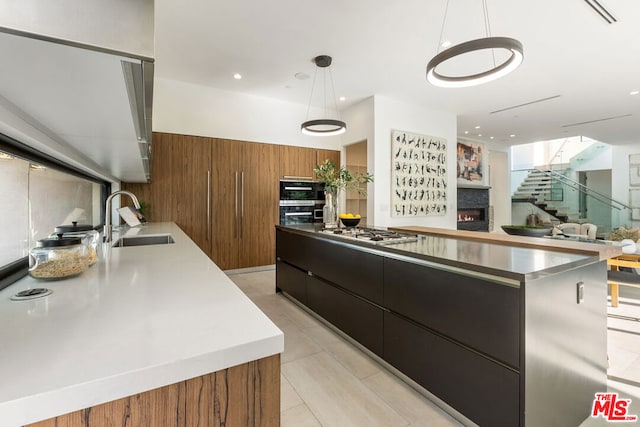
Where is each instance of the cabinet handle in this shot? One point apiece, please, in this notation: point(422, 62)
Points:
point(235, 228)
point(299, 188)
point(308, 178)
point(208, 204)
point(298, 213)
point(242, 205)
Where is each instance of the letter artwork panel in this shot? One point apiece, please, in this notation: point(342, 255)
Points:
point(418, 175)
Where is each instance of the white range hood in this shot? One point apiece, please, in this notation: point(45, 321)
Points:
point(85, 99)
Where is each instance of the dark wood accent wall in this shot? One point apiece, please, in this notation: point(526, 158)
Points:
point(245, 395)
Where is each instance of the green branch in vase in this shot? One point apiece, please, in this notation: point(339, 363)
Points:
point(341, 178)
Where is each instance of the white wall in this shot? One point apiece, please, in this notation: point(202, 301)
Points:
point(393, 115)
point(360, 127)
point(620, 182)
point(602, 159)
point(190, 109)
point(499, 194)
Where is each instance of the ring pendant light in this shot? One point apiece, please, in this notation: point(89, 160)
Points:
point(327, 126)
point(488, 43)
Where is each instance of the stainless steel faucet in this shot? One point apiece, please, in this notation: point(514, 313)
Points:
point(107, 215)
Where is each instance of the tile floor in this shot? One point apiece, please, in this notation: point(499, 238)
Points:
point(327, 381)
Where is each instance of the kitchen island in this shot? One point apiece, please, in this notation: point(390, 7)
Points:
point(504, 335)
point(150, 335)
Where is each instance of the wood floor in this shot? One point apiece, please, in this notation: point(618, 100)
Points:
point(327, 381)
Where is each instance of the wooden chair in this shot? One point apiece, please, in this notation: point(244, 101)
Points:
point(615, 277)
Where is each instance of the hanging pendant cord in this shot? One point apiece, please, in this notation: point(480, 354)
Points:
point(446, 9)
point(324, 90)
point(333, 91)
point(313, 85)
point(487, 28)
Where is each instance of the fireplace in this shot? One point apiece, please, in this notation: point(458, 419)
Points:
point(473, 209)
point(470, 215)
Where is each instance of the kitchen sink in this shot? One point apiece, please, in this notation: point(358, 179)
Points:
point(163, 239)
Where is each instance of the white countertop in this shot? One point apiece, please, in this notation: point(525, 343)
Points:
point(141, 318)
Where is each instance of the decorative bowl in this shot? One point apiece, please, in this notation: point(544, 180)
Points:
point(350, 222)
point(527, 230)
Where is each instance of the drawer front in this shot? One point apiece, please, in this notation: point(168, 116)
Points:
point(358, 272)
point(357, 318)
point(484, 391)
point(294, 249)
point(292, 281)
point(478, 313)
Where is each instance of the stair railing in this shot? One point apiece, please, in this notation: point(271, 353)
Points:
point(558, 153)
point(584, 189)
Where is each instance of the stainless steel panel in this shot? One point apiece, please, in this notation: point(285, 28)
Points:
point(565, 345)
point(301, 202)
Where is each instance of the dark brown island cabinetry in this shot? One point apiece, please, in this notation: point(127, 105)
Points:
point(509, 344)
point(223, 193)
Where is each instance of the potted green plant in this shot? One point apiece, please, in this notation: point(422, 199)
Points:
point(336, 179)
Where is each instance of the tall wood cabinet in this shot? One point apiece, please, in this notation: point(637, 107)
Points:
point(180, 184)
point(224, 193)
point(244, 206)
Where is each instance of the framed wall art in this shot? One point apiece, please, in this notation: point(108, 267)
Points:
point(634, 202)
point(418, 175)
point(471, 164)
point(634, 170)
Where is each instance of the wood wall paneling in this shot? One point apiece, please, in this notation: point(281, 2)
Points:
point(178, 192)
point(243, 395)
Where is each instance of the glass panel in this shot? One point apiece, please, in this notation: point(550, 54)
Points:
point(35, 200)
point(559, 196)
point(14, 186)
point(56, 199)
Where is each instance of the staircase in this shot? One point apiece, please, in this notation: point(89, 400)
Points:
point(538, 189)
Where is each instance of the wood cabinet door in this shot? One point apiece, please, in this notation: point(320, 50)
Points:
point(332, 155)
point(192, 197)
point(296, 162)
point(259, 204)
point(225, 202)
point(179, 189)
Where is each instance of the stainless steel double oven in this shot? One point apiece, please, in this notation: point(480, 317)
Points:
point(301, 202)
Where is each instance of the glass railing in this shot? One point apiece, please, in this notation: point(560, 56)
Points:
point(554, 196)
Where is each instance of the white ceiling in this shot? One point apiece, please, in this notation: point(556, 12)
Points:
point(382, 47)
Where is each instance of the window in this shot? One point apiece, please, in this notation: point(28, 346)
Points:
point(37, 194)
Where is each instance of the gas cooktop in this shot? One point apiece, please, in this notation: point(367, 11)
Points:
point(372, 235)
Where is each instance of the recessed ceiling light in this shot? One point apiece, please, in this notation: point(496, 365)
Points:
point(342, 98)
point(466, 132)
point(512, 135)
point(635, 92)
point(237, 76)
point(490, 137)
point(479, 134)
point(477, 127)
